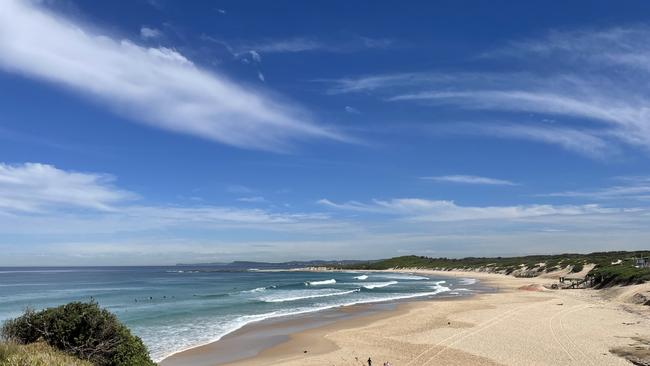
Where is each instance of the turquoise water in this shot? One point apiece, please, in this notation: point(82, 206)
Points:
point(174, 308)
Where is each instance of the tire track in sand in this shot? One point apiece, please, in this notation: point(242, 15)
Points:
point(455, 338)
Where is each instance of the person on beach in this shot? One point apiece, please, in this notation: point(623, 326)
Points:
point(369, 362)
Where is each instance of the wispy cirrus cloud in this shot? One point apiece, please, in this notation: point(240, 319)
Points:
point(306, 44)
point(596, 48)
point(251, 51)
point(584, 141)
point(470, 179)
point(290, 45)
point(591, 82)
point(252, 199)
point(423, 210)
point(156, 86)
point(631, 188)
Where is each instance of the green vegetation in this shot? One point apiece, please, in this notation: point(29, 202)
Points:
point(605, 272)
point(577, 268)
point(80, 329)
point(36, 354)
point(606, 276)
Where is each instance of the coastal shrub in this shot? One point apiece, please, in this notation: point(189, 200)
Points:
point(577, 268)
point(36, 354)
point(81, 329)
point(604, 273)
point(605, 276)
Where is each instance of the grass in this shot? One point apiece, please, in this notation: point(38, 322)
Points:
point(36, 354)
point(604, 273)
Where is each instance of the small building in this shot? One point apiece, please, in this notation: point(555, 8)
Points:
point(642, 262)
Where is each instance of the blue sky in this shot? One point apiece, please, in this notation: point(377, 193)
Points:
point(155, 132)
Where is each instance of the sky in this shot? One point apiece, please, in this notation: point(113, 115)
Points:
point(156, 131)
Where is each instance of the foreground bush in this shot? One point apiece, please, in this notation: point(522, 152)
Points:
point(36, 354)
point(81, 329)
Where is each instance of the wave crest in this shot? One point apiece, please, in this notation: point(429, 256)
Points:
point(304, 296)
point(372, 285)
point(320, 283)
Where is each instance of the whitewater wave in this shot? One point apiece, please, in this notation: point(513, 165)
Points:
point(210, 296)
point(439, 288)
point(404, 277)
point(372, 285)
point(260, 289)
point(467, 281)
point(362, 277)
point(291, 296)
point(244, 320)
point(320, 283)
point(185, 271)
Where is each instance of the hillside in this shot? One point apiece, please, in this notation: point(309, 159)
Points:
point(606, 268)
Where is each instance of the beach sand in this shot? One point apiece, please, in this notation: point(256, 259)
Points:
point(521, 324)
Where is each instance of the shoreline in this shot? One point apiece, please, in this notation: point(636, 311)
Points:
point(519, 323)
point(294, 323)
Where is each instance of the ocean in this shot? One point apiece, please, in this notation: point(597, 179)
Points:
point(174, 308)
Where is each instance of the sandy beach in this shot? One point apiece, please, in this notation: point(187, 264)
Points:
point(521, 324)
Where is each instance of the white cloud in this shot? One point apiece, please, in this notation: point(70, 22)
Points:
point(255, 56)
point(156, 86)
point(36, 187)
point(423, 210)
point(149, 33)
point(72, 217)
point(42, 199)
point(352, 110)
point(252, 199)
point(471, 179)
